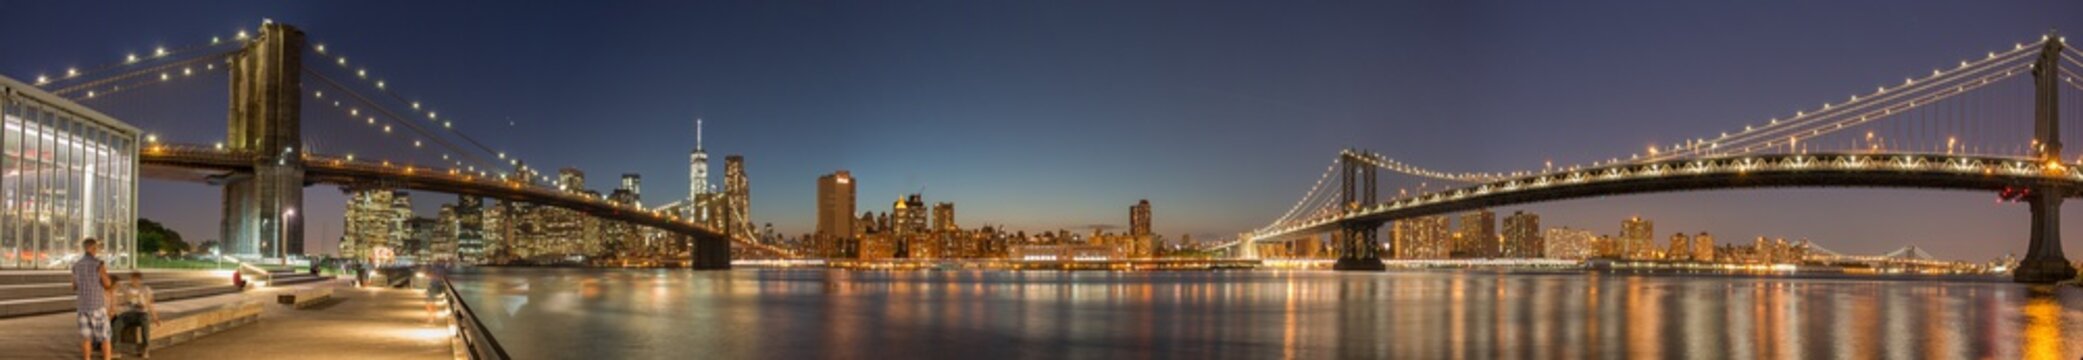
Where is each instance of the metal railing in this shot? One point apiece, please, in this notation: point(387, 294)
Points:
point(477, 341)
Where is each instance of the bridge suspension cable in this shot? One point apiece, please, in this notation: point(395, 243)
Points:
point(416, 108)
point(76, 77)
point(393, 117)
point(1379, 161)
point(1796, 127)
point(1309, 200)
point(160, 72)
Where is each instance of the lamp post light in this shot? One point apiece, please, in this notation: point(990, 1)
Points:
point(282, 248)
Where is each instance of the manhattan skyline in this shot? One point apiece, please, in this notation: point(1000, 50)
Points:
point(1029, 117)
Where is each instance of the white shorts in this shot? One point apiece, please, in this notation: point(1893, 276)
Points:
point(94, 324)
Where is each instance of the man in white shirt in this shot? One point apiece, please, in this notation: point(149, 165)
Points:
point(134, 299)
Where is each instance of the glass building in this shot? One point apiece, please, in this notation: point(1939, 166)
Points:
point(69, 175)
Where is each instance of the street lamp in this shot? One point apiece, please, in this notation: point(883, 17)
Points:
point(282, 241)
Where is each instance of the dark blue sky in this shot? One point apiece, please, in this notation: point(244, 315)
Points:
point(1042, 115)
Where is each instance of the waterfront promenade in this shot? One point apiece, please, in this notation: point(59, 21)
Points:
point(368, 323)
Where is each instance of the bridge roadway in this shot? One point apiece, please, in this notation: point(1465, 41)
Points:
point(202, 164)
point(1879, 170)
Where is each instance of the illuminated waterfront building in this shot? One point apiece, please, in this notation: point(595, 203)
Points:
point(908, 226)
point(1522, 235)
point(1141, 238)
point(1424, 237)
point(1139, 219)
point(1680, 248)
point(441, 244)
point(737, 199)
point(1568, 243)
point(418, 243)
point(375, 220)
point(470, 229)
point(1477, 235)
point(561, 231)
point(1609, 247)
point(835, 222)
point(1703, 247)
point(945, 235)
point(1636, 236)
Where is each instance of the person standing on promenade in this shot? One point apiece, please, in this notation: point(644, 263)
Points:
point(136, 301)
point(91, 284)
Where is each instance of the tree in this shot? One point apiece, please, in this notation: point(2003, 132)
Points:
point(153, 238)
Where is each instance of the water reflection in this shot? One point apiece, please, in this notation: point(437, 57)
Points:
point(578, 313)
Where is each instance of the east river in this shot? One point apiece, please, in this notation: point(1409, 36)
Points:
point(817, 314)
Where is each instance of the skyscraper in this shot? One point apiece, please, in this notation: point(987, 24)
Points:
point(835, 206)
point(737, 193)
point(370, 222)
point(570, 179)
point(1478, 232)
point(633, 183)
point(698, 171)
point(1522, 235)
point(944, 217)
point(1142, 240)
point(908, 224)
point(1139, 219)
point(945, 234)
point(470, 229)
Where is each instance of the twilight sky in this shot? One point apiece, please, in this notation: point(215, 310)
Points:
point(1061, 114)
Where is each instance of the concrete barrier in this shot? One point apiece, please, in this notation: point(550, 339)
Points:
point(305, 297)
point(188, 325)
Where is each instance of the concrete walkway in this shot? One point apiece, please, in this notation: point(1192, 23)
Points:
point(366, 323)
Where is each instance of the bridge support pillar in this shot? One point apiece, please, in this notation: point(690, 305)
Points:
point(2044, 261)
point(711, 253)
point(261, 218)
point(1357, 250)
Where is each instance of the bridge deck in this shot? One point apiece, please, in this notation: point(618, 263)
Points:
point(1921, 171)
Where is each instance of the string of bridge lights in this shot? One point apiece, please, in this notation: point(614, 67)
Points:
point(417, 108)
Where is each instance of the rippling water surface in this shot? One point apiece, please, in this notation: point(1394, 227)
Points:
point(604, 314)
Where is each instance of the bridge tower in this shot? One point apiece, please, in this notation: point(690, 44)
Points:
point(1357, 248)
point(260, 209)
point(2044, 261)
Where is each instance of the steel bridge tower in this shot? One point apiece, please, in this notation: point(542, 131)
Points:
point(1357, 249)
point(2044, 261)
point(260, 209)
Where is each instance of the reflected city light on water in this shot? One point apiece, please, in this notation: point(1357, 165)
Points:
point(811, 313)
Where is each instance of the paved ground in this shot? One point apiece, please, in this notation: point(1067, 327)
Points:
point(361, 324)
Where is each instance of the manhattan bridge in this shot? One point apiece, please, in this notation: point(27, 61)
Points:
point(1990, 123)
